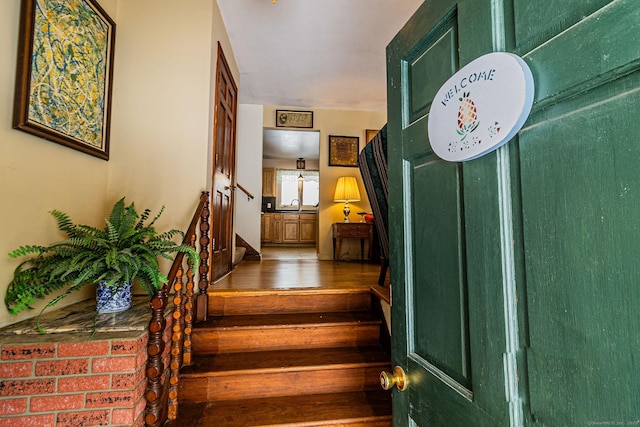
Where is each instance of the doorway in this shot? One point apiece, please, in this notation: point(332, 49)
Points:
point(290, 194)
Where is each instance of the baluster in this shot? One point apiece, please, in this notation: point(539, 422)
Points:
point(155, 364)
point(203, 283)
point(188, 312)
point(176, 344)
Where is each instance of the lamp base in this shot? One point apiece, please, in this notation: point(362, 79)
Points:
point(346, 211)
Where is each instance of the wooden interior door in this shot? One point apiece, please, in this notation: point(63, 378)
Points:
point(223, 169)
point(514, 275)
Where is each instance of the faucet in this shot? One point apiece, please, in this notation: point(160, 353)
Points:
point(298, 203)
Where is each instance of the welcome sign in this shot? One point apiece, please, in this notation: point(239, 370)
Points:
point(480, 107)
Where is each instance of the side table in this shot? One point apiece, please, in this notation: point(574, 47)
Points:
point(352, 230)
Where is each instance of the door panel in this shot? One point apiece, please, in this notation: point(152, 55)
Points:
point(441, 336)
point(596, 50)
point(537, 22)
point(426, 69)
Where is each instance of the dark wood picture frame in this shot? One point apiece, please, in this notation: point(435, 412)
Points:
point(343, 150)
point(369, 135)
point(69, 103)
point(294, 119)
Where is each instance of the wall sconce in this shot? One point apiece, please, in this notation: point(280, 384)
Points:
point(300, 163)
point(346, 191)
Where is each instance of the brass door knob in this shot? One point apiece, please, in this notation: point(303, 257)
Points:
point(398, 378)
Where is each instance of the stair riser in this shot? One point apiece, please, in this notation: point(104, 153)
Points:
point(284, 338)
point(378, 422)
point(251, 386)
point(240, 303)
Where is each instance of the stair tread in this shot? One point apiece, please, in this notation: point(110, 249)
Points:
point(356, 408)
point(287, 291)
point(283, 360)
point(289, 319)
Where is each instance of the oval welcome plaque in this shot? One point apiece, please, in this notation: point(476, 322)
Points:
point(480, 107)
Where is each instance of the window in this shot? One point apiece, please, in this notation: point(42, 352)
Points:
point(290, 189)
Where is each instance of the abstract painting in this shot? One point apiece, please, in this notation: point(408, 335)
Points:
point(64, 78)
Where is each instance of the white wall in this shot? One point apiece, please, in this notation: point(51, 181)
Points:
point(249, 173)
point(345, 123)
point(161, 129)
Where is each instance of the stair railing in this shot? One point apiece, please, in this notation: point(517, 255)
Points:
point(245, 191)
point(162, 386)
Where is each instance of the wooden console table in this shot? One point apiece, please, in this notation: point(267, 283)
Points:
point(352, 230)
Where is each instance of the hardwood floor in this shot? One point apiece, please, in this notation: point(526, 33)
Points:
point(280, 272)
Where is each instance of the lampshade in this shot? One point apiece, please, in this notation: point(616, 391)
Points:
point(347, 190)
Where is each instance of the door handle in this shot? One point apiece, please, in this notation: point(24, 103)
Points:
point(397, 378)
point(232, 188)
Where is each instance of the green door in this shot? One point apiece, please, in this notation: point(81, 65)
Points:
point(516, 285)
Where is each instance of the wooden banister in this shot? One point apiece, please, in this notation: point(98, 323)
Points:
point(162, 389)
point(244, 190)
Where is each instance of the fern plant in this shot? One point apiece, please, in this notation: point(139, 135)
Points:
point(125, 250)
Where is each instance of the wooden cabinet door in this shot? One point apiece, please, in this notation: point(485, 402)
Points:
point(276, 229)
point(291, 228)
point(266, 229)
point(268, 181)
point(308, 228)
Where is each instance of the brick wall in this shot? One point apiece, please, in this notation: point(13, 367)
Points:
point(100, 381)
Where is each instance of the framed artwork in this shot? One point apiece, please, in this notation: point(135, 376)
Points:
point(294, 119)
point(369, 134)
point(64, 74)
point(343, 150)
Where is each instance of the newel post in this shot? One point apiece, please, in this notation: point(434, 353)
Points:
point(155, 364)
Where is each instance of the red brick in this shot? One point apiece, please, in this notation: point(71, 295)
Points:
point(110, 400)
point(16, 369)
point(98, 348)
point(129, 346)
point(62, 367)
point(84, 383)
point(128, 381)
point(85, 418)
point(27, 387)
point(139, 422)
point(29, 351)
point(114, 364)
point(59, 402)
point(141, 359)
point(47, 420)
point(13, 406)
point(123, 417)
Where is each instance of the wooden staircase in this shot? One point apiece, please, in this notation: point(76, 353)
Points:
point(286, 358)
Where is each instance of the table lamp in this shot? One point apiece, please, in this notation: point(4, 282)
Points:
point(346, 191)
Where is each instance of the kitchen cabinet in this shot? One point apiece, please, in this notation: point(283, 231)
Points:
point(289, 228)
point(268, 182)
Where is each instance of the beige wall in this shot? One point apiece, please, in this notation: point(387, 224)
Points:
point(336, 122)
point(165, 56)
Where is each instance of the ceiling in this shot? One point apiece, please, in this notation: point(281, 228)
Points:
point(290, 144)
point(321, 54)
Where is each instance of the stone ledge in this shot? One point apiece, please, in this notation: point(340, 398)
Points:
point(75, 323)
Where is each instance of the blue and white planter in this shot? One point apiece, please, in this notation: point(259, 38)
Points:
point(108, 302)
